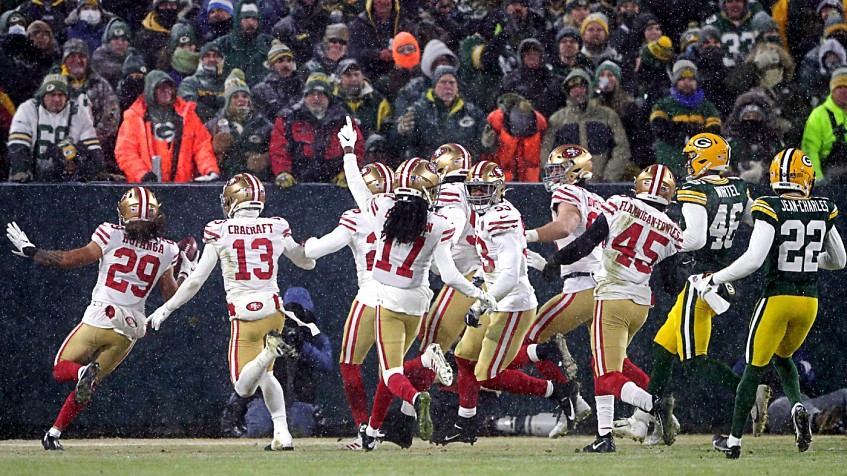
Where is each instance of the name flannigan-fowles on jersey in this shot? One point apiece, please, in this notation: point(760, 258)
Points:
point(801, 226)
point(639, 237)
point(362, 243)
point(499, 230)
point(453, 204)
point(577, 276)
point(129, 270)
point(725, 200)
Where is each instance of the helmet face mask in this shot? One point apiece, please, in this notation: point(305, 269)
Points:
point(706, 152)
point(451, 160)
point(485, 186)
point(417, 177)
point(655, 184)
point(567, 164)
point(138, 203)
point(242, 191)
point(378, 177)
point(792, 171)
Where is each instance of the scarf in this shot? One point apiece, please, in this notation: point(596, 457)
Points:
point(690, 101)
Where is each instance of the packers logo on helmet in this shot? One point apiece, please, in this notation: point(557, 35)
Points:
point(567, 164)
point(417, 177)
point(378, 177)
point(706, 153)
point(451, 160)
point(485, 186)
point(655, 184)
point(138, 203)
point(792, 172)
point(242, 191)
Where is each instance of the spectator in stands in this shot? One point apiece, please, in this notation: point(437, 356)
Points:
point(627, 36)
point(519, 130)
point(736, 29)
point(651, 71)
point(577, 11)
point(304, 142)
point(824, 139)
point(713, 72)
point(595, 127)
point(435, 54)
point(246, 48)
point(282, 87)
point(18, 51)
point(51, 13)
point(206, 86)
point(329, 53)
point(156, 29)
point(371, 33)
point(533, 80)
point(181, 57)
point(52, 139)
point(680, 116)
point(609, 93)
point(88, 23)
point(108, 59)
point(813, 78)
point(569, 56)
point(241, 135)
point(441, 116)
point(367, 106)
point(163, 125)
point(131, 84)
point(595, 40)
point(304, 27)
point(645, 30)
point(753, 132)
point(803, 32)
point(217, 21)
point(441, 20)
point(406, 53)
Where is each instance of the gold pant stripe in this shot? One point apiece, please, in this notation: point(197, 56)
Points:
point(87, 343)
point(546, 317)
point(247, 340)
point(496, 343)
point(358, 334)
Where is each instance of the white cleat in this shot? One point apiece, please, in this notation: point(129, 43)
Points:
point(439, 364)
point(583, 409)
point(630, 428)
point(561, 428)
point(282, 442)
point(355, 445)
point(655, 437)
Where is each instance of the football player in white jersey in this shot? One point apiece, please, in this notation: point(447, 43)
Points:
point(354, 230)
point(133, 258)
point(494, 338)
point(409, 237)
point(248, 247)
point(637, 236)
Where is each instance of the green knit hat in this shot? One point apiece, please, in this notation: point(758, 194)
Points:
point(52, 83)
point(235, 83)
point(318, 82)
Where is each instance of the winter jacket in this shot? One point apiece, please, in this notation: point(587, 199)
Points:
point(813, 76)
point(321, 64)
point(92, 35)
point(252, 135)
point(673, 124)
point(248, 55)
point(413, 90)
point(519, 157)
point(151, 39)
point(275, 94)
point(51, 13)
point(137, 143)
point(370, 109)
point(598, 129)
point(302, 29)
point(308, 148)
point(818, 137)
point(540, 86)
point(109, 64)
point(368, 37)
point(206, 89)
point(18, 54)
point(96, 95)
point(736, 40)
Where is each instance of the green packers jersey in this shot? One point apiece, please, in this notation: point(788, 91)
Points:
point(724, 200)
point(801, 226)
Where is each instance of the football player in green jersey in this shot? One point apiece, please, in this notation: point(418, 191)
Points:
point(794, 236)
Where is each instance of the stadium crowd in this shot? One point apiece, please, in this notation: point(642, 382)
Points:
point(179, 91)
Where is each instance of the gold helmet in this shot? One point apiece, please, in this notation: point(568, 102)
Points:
point(138, 203)
point(568, 163)
point(378, 177)
point(655, 184)
point(417, 177)
point(706, 153)
point(242, 191)
point(451, 160)
point(792, 171)
point(485, 186)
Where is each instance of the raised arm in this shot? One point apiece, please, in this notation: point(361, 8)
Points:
point(74, 258)
point(347, 136)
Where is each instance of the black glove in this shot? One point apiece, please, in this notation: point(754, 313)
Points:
point(472, 316)
point(149, 177)
point(551, 270)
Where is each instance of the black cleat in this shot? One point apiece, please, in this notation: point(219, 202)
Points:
point(663, 414)
point(402, 433)
point(86, 383)
point(368, 442)
point(802, 427)
point(721, 443)
point(51, 443)
point(565, 395)
point(602, 444)
point(463, 431)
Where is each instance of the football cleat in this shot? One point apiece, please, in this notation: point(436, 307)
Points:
point(282, 441)
point(721, 443)
point(439, 364)
point(403, 433)
point(275, 343)
point(663, 414)
point(85, 385)
point(657, 436)
point(630, 428)
point(355, 445)
point(583, 409)
point(603, 444)
point(368, 442)
point(463, 431)
point(51, 443)
point(562, 427)
point(565, 395)
point(568, 363)
point(422, 404)
point(759, 413)
point(802, 427)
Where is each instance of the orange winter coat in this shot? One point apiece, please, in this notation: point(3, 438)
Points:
point(519, 157)
point(136, 145)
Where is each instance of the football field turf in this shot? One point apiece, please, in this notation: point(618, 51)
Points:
point(525, 456)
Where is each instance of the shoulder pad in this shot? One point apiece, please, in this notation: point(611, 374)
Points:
point(567, 193)
point(763, 208)
point(501, 219)
point(212, 232)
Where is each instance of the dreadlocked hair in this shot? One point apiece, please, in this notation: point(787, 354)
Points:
point(146, 230)
point(406, 220)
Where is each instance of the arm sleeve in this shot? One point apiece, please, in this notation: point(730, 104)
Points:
point(747, 216)
point(582, 246)
point(457, 218)
point(696, 227)
point(450, 275)
point(355, 182)
point(333, 241)
point(752, 259)
point(296, 254)
point(508, 265)
point(834, 257)
point(208, 261)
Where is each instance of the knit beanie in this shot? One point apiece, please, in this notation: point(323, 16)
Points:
point(683, 69)
point(75, 45)
point(569, 32)
point(441, 71)
point(318, 82)
point(51, 83)
point(278, 51)
point(763, 23)
point(610, 66)
point(839, 78)
point(337, 31)
point(134, 63)
point(235, 83)
point(661, 48)
point(405, 50)
point(117, 29)
point(598, 18)
point(225, 5)
point(182, 34)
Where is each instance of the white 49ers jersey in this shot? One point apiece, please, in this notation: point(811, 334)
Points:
point(403, 268)
point(363, 246)
point(640, 236)
point(577, 275)
point(453, 204)
point(498, 231)
point(249, 250)
point(129, 270)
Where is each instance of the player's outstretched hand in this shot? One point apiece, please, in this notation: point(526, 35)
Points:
point(347, 135)
point(535, 260)
point(157, 318)
point(19, 240)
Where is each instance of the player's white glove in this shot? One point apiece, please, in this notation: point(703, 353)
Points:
point(19, 240)
point(484, 303)
point(703, 284)
point(208, 177)
point(347, 135)
point(157, 318)
point(186, 265)
point(709, 292)
point(535, 260)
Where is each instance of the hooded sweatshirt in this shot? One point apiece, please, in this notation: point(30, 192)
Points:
point(246, 54)
point(419, 85)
